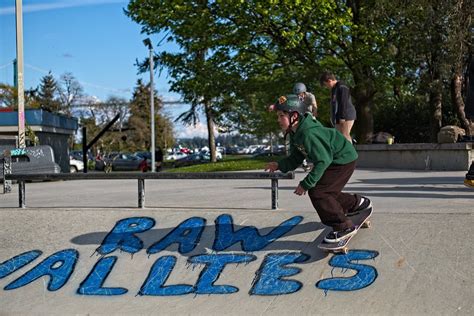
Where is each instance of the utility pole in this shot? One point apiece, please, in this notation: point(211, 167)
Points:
point(147, 43)
point(20, 87)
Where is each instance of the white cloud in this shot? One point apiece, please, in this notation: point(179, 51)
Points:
point(200, 130)
point(58, 5)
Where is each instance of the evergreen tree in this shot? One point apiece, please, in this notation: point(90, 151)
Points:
point(48, 89)
point(139, 121)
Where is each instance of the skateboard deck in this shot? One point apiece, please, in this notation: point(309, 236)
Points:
point(469, 180)
point(361, 220)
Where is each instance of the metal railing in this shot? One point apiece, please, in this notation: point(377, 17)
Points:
point(141, 177)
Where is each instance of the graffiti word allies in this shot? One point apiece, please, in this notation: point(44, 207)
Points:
point(272, 278)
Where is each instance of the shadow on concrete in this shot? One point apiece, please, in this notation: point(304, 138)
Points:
point(425, 187)
point(207, 239)
point(352, 187)
point(414, 181)
point(397, 194)
point(418, 195)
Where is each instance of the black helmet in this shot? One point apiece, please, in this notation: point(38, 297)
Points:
point(299, 88)
point(290, 103)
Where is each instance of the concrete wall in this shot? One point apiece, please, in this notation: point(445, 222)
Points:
point(420, 156)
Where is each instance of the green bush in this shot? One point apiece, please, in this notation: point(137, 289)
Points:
point(407, 120)
point(90, 165)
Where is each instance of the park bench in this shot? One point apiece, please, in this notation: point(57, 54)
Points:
point(141, 177)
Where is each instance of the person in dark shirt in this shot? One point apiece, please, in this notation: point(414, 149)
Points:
point(343, 112)
point(158, 158)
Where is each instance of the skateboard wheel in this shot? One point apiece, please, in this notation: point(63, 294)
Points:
point(367, 224)
point(345, 250)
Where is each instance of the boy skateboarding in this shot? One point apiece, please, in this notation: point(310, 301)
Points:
point(334, 160)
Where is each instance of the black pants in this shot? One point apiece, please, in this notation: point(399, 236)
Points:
point(331, 204)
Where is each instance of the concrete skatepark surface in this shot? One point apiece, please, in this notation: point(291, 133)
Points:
point(415, 259)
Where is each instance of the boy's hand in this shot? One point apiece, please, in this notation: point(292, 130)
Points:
point(300, 190)
point(271, 107)
point(271, 166)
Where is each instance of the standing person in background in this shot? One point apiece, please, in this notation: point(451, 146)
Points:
point(308, 99)
point(158, 158)
point(469, 110)
point(343, 112)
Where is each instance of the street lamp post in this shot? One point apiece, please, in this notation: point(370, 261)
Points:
point(147, 43)
point(19, 76)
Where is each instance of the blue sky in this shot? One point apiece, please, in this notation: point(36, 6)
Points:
point(92, 39)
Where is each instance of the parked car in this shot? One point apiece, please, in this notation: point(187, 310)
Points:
point(75, 165)
point(252, 148)
point(268, 153)
point(31, 160)
point(192, 159)
point(201, 157)
point(121, 162)
point(176, 156)
point(187, 151)
point(218, 154)
point(77, 154)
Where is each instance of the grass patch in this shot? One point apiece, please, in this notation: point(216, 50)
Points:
point(230, 163)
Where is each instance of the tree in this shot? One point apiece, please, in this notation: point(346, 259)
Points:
point(111, 107)
point(8, 96)
point(70, 91)
point(199, 71)
point(391, 53)
point(347, 37)
point(461, 43)
point(139, 126)
point(433, 43)
point(47, 93)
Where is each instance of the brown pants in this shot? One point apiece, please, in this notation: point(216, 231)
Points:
point(331, 204)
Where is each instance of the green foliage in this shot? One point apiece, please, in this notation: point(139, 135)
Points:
point(90, 165)
point(241, 55)
point(47, 94)
point(405, 119)
point(31, 135)
point(139, 122)
point(8, 95)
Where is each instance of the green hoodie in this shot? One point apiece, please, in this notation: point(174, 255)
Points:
point(323, 146)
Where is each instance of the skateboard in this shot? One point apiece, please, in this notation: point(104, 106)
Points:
point(469, 180)
point(361, 220)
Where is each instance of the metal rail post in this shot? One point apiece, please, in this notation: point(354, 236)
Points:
point(22, 193)
point(141, 193)
point(274, 194)
point(7, 169)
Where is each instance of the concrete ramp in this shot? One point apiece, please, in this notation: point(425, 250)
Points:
point(210, 260)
